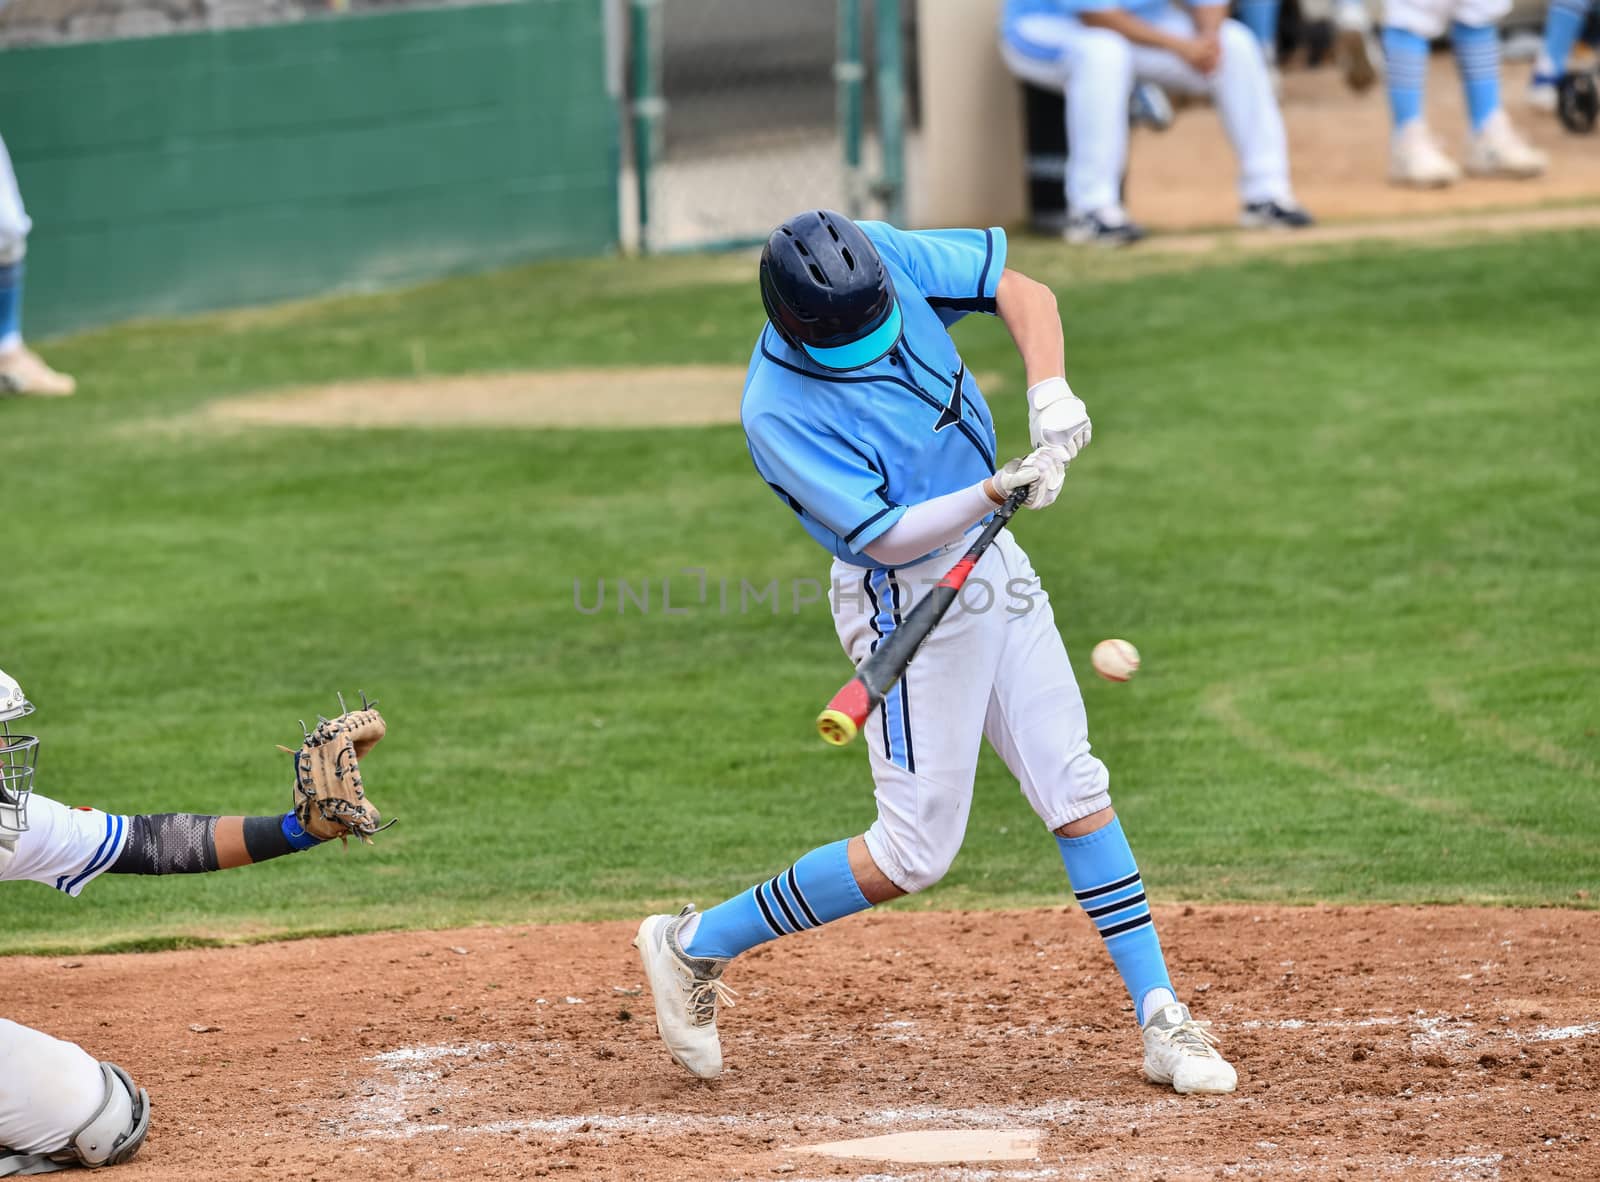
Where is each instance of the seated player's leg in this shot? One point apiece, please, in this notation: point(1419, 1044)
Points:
point(59, 1107)
point(1093, 68)
point(1241, 89)
point(21, 370)
point(923, 747)
point(1037, 723)
point(1494, 147)
point(1563, 24)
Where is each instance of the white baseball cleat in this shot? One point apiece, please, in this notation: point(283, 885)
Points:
point(1182, 1052)
point(686, 992)
point(1497, 150)
point(22, 371)
point(1414, 159)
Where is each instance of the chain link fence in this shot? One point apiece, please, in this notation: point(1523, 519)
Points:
point(744, 111)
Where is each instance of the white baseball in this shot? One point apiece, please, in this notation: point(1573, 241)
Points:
point(1115, 660)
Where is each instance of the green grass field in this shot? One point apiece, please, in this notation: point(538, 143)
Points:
point(1346, 504)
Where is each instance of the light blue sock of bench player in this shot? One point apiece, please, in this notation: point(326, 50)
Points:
point(1405, 57)
point(1261, 18)
point(1478, 58)
point(1105, 881)
point(817, 889)
point(1563, 24)
point(10, 305)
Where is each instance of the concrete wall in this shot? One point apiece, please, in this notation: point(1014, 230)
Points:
point(968, 164)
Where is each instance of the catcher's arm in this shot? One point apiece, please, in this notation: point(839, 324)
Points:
point(329, 801)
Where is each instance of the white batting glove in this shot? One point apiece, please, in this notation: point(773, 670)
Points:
point(1045, 468)
point(1057, 415)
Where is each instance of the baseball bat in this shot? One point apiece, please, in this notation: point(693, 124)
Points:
point(843, 717)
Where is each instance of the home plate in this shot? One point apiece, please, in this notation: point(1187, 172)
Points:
point(937, 1145)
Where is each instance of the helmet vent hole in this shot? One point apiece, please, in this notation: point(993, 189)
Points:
point(816, 273)
point(801, 247)
point(831, 229)
point(849, 259)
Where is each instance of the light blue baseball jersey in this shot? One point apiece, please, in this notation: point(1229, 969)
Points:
point(848, 452)
point(1015, 10)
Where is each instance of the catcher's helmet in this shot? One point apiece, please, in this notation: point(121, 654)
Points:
point(19, 754)
point(827, 292)
point(1578, 101)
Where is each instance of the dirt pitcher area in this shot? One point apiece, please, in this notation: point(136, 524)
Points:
point(1371, 1042)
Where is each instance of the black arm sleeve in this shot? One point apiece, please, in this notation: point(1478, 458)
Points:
point(186, 843)
point(168, 843)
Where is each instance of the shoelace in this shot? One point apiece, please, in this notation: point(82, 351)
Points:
point(704, 995)
point(1193, 1036)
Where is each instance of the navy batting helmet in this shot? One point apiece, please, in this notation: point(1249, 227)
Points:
point(827, 291)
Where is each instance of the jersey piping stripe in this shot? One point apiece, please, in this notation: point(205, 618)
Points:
point(845, 379)
point(964, 303)
point(109, 845)
point(893, 707)
point(855, 533)
point(1096, 892)
point(904, 685)
point(988, 258)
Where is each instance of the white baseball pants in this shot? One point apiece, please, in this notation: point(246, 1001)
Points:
point(14, 221)
point(1096, 69)
point(48, 1089)
point(995, 667)
point(1430, 18)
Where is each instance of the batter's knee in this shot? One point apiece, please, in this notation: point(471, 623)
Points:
point(13, 245)
point(912, 863)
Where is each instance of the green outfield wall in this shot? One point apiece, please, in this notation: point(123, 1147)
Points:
point(178, 173)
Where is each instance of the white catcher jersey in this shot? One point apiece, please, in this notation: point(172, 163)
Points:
point(63, 847)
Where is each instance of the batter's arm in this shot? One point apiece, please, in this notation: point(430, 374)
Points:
point(1028, 310)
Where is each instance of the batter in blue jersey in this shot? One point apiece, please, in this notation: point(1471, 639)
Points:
point(861, 416)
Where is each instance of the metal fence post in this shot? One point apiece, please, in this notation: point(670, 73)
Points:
point(648, 106)
point(850, 74)
point(891, 109)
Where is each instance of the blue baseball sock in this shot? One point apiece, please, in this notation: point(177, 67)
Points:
point(1105, 881)
point(1406, 57)
point(10, 305)
point(1478, 58)
point(1261, 18)
point(1563, 24)
point(817, 889)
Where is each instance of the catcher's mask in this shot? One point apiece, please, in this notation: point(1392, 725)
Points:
point(19, 755)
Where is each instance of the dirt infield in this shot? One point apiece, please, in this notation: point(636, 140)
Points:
point(1412, 1043)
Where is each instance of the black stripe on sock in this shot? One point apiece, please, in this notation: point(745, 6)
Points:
point(772, 885)
point(1096, 892)
point(766, 914)
point(794, 888)
point(1097, 912)
point(1127, 926)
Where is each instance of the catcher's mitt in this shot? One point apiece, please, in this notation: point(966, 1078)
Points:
point(329, 798)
